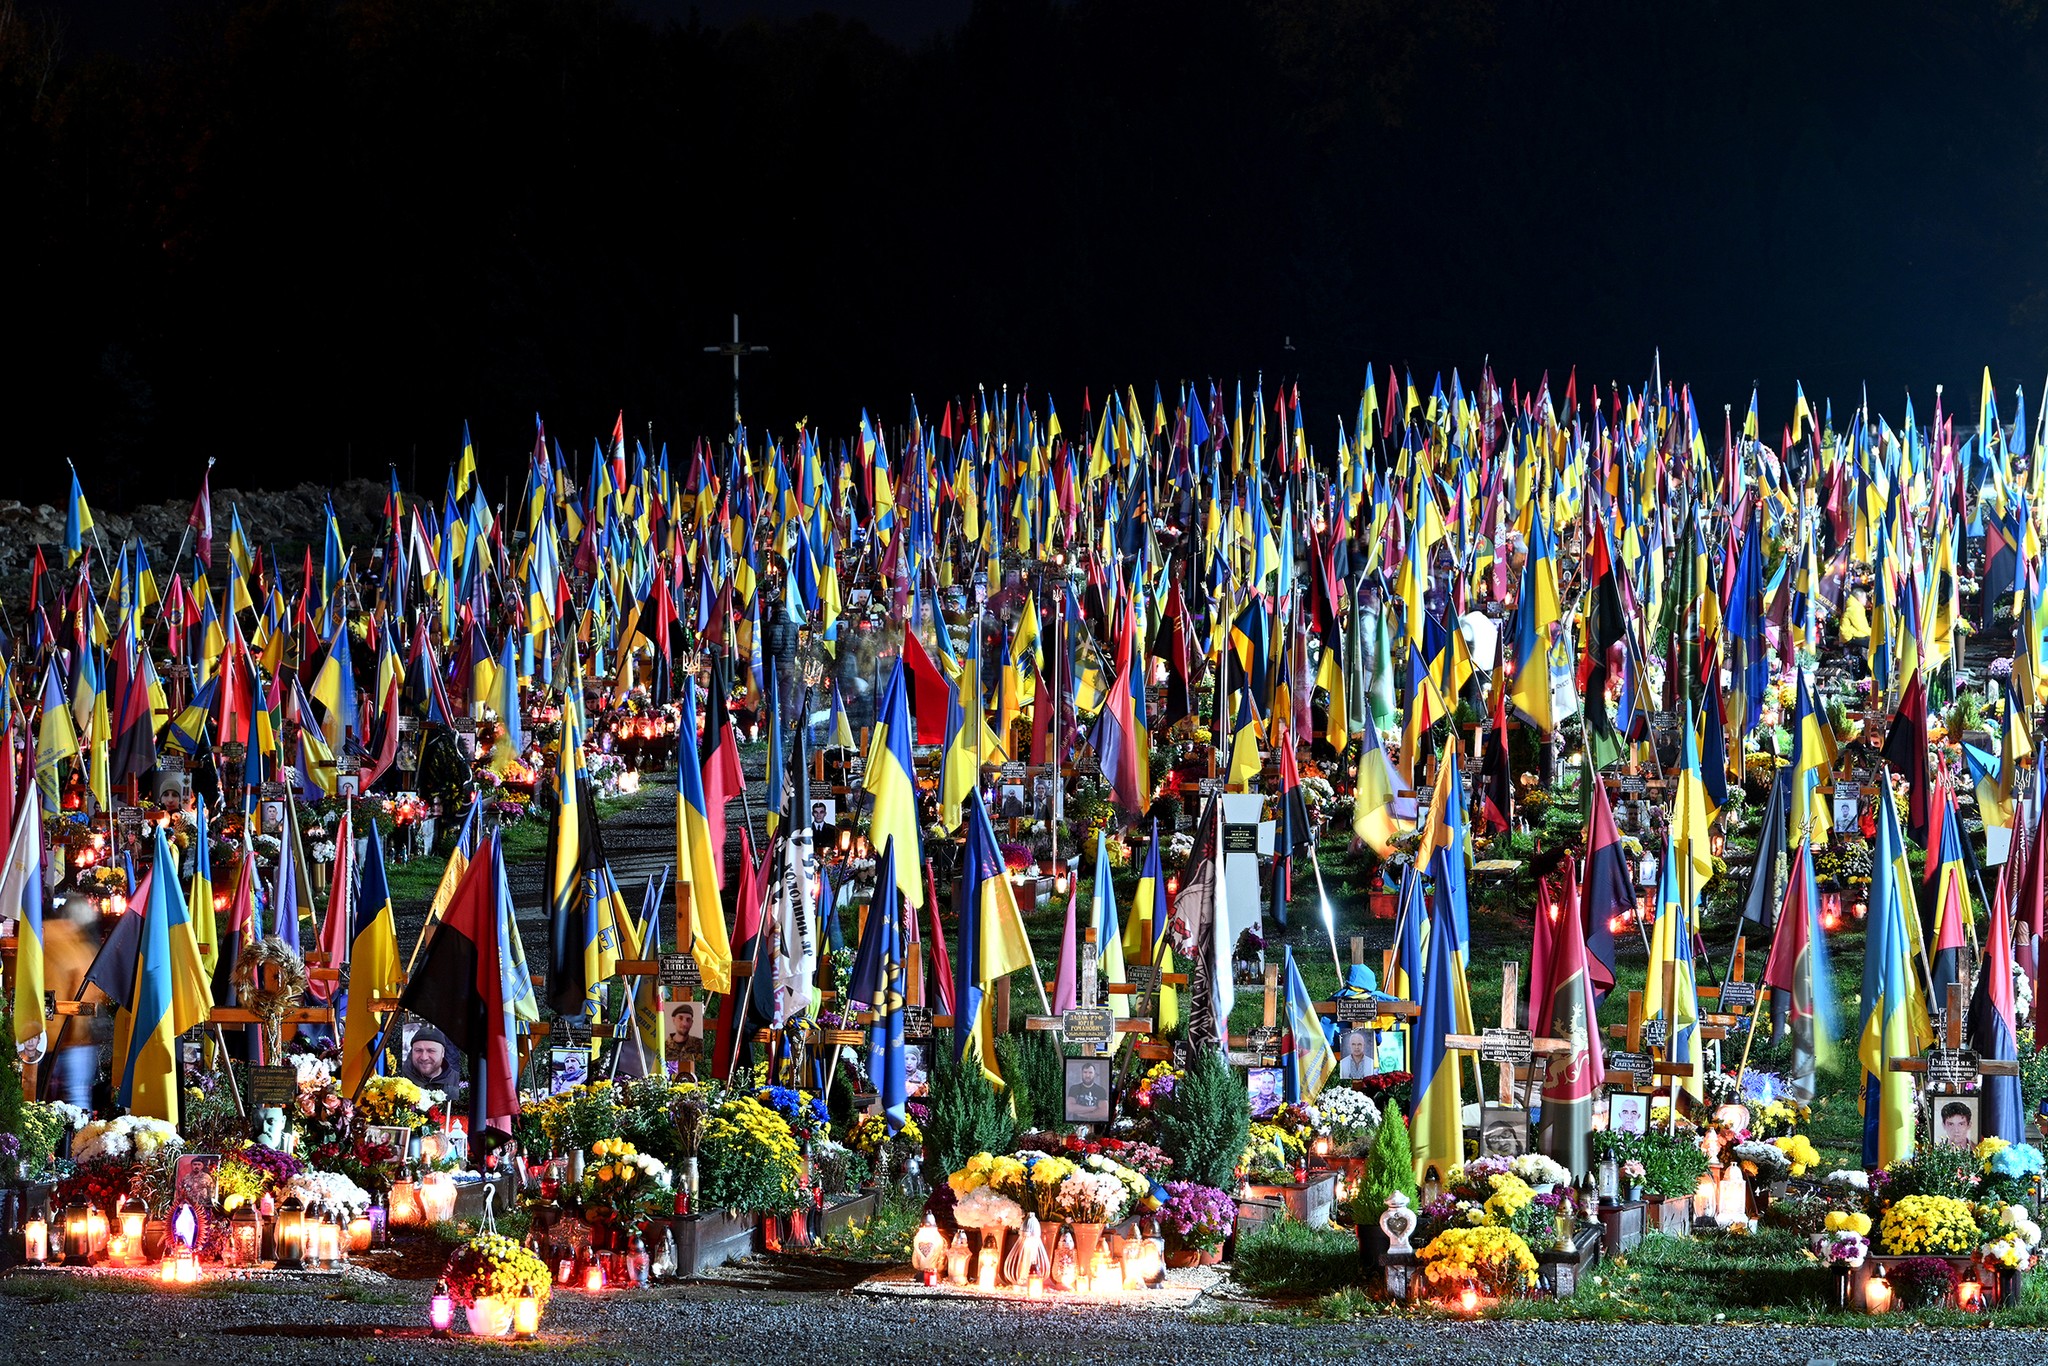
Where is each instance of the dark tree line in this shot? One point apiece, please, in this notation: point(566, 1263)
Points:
point(312, 236)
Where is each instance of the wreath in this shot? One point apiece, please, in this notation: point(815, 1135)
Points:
point(270, 1003)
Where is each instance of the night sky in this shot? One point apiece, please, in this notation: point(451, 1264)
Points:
point(311, 238)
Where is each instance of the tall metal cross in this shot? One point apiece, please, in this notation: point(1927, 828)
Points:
point(736, 348)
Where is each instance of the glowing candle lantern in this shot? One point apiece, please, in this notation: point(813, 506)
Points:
point(132, 1214)
point(441, 1309)
point(928, 1251)
point(187, 1266)
point(289, 1235)
point(1970, 1294)
point(1877, 1295)
point(359, 1233)
point(96, 1230)
point(76, 1225)
point(593, 1279)
point(35, 1241)
point(406, 1211)
point(526, 1317)
point(1468, 1299)
point(437, 1196)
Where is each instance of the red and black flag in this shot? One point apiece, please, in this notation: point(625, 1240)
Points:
point(458, 986)
point(1905, 749)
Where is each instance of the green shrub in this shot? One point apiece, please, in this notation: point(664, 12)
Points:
point(1206, 1122)
point(1389, 1167)
point(1040, 1074)
point(969, 1116)
point(1286, 1257)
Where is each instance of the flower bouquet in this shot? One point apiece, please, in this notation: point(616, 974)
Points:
point(621, 1181)
point(1091, 1197)
point(396, 1101)
point(1198, 1217)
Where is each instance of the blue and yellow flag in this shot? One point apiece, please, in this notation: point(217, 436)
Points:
point(891, 782)
point(372, 967)
point(1309, 1060)
point(148, 1064)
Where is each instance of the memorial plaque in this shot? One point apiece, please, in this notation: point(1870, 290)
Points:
point(1634, 785)
point(277, 1086)
point(1357, 1009)
point(680, 970)
point(1656, 1033)
point(1951, 1066)
point(1738, 995)
point(1638, 1065)
point(1240, 838)
point(917, 1023)
point(1090, 1025)
point(1262, 1039)
point(1516, 1046)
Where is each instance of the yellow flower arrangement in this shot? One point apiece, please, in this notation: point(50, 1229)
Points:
point(491, 1265)
point(973, 1176)
point(1798, 1150)
point(1842, 1221)
point(1988, 1149)
point(395, 1100)
point(1511, 1195)
point(1046, 1174)
point(1496, 1257)
point(1937, 1225)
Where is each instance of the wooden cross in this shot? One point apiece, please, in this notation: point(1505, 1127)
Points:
point(1086, 995)
point(1661, 1067)
point(1270, 1020)
point(1506, 1039)
point(1951, 1042)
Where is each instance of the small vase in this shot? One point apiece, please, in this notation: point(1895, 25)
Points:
point(1050, 1235)
point(490, 1317)
point(1086, 1236)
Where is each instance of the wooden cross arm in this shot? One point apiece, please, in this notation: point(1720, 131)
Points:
point(1672, 1069)
point(1408, 1009)
point(1170, 979)
point(236, 1015)
point(641, 967)
point(1537, 1045)
point(1056, 1022)
point(1985, 1067)
point(867, 1017)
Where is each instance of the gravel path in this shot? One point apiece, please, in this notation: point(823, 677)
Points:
point(723, 1323)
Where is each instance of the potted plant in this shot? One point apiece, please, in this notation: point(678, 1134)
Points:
point(488, 1276)
point(1389, 1168)
point(1198, 1219)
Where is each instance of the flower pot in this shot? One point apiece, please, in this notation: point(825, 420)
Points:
point(1086, 1236)
point(1182, 1258)
point(490, 1317)
point(1212, 1257)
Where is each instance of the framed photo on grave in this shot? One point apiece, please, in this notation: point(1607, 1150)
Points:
point(1503, 1131)
point(1087, 1091)
point(1955, 1121)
